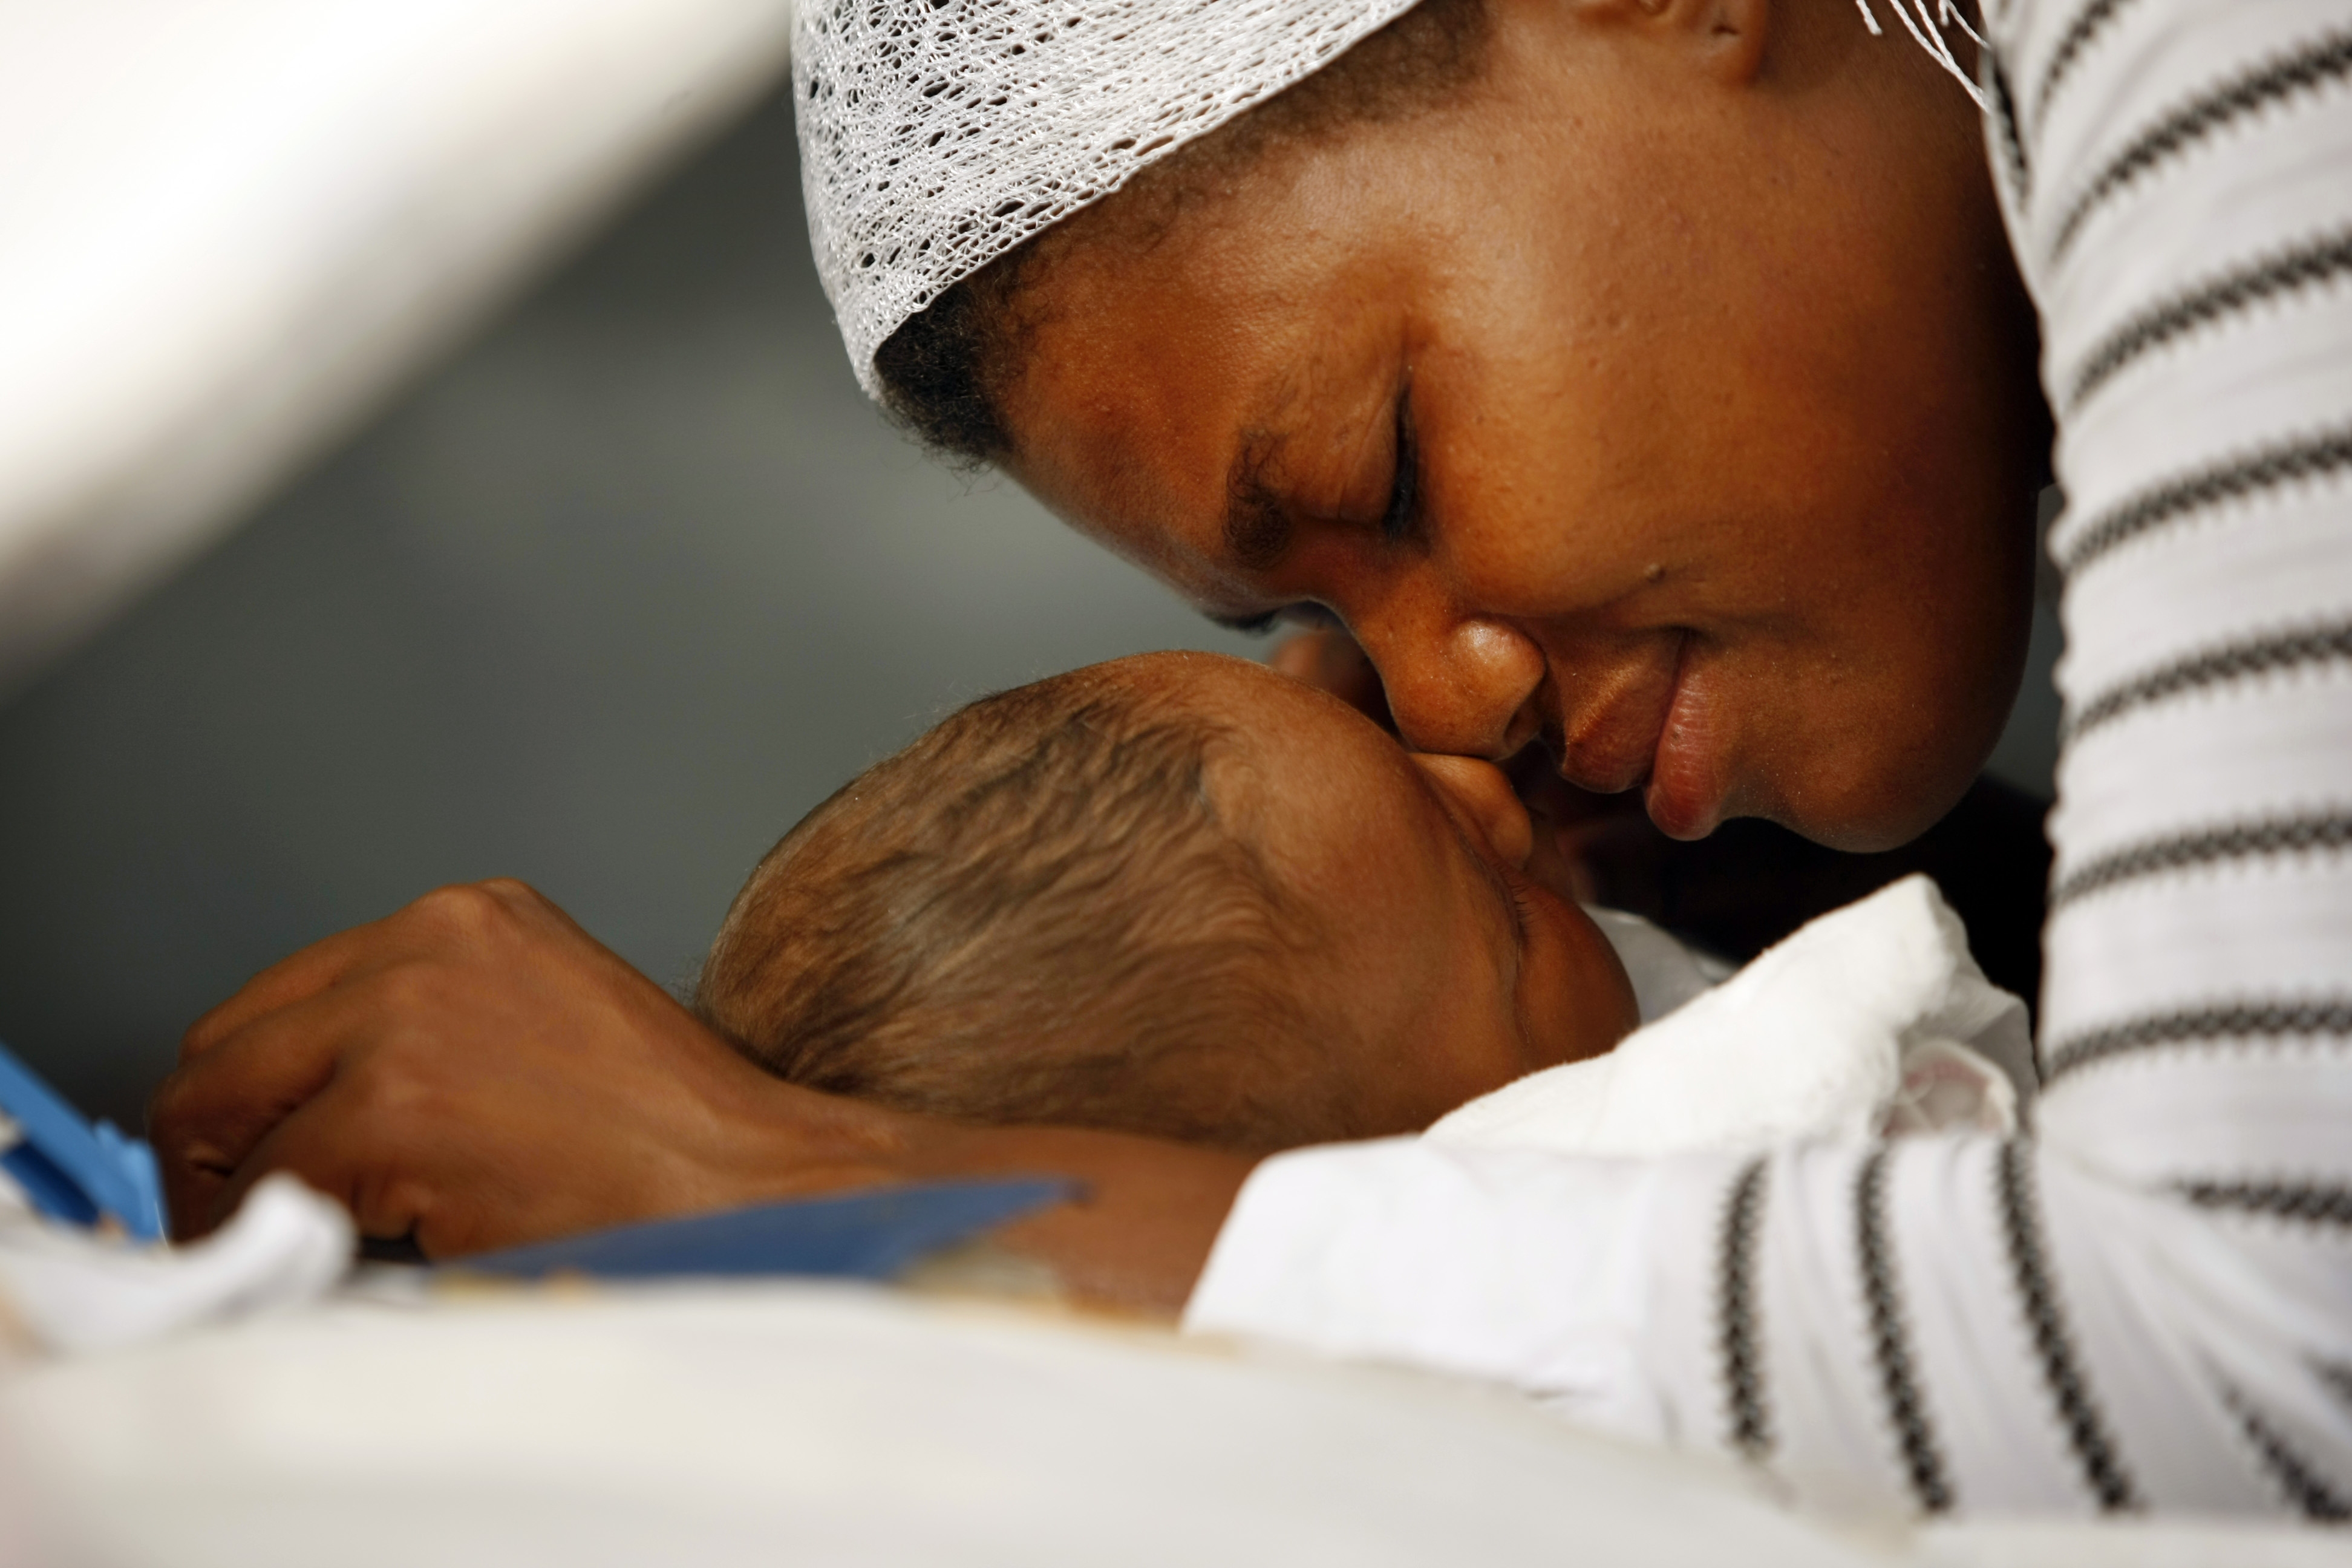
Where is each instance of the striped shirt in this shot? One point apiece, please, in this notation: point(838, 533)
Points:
point(2149, 1305)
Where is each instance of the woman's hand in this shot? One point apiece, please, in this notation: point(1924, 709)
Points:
point(477, 1071)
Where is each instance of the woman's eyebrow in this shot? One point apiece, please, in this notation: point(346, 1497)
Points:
point(1257, 528)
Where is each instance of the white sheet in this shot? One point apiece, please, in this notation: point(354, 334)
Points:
point(65, 1290)
point(802, 1424)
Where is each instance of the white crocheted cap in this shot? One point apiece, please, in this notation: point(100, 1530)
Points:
point(937, 135)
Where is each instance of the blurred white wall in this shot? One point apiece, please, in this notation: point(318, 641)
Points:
point(606, 602)
point(228, 227)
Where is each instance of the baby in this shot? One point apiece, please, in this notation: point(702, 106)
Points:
point(1177, 894)
point(1183, 895)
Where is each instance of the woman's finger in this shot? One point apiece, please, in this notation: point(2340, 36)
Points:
point(318, 967)
point(331, 1142)
point(448, 921)
point(210, 1115)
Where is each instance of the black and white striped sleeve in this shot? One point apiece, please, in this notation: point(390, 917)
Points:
point(2148, 1306)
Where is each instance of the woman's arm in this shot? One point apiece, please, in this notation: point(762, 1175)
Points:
point(477, 1071)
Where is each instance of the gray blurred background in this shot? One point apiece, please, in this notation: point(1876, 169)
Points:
point(606, 603)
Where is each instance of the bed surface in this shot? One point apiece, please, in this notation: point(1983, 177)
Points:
point(778, 1423)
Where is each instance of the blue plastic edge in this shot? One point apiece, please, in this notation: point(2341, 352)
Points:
point(872, 1235)
point(112, 1172)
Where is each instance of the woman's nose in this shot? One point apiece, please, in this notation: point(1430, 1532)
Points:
point(1465, 685)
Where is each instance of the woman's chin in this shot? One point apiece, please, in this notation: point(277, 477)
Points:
point(1868, 818)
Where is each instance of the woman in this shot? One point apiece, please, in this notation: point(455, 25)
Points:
point(1647, 377)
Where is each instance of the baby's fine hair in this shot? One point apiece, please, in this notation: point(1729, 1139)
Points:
point(1035, 913)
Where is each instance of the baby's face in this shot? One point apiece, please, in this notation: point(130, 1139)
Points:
point(1452, 943)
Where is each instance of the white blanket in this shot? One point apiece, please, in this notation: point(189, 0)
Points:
point(797, 1424)
point(1872, 1019)
point(64, 1288)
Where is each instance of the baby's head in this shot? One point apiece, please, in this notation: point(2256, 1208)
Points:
point(1177, 895)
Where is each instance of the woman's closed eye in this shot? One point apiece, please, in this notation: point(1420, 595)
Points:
point(1400, 523)
point(1305, 613)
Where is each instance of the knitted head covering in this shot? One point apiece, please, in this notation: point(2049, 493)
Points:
point(937, 135)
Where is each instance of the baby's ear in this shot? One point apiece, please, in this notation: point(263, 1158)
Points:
point(1479, 795)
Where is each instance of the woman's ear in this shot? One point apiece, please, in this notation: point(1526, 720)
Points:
point(1726, 36)
point(1479, 795)
point(1734, 33)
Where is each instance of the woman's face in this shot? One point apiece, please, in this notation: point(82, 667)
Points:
point(1668, 397)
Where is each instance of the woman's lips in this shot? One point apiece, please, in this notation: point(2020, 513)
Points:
point(1612, 718)
point(1646, 725)
point(1685, 788)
